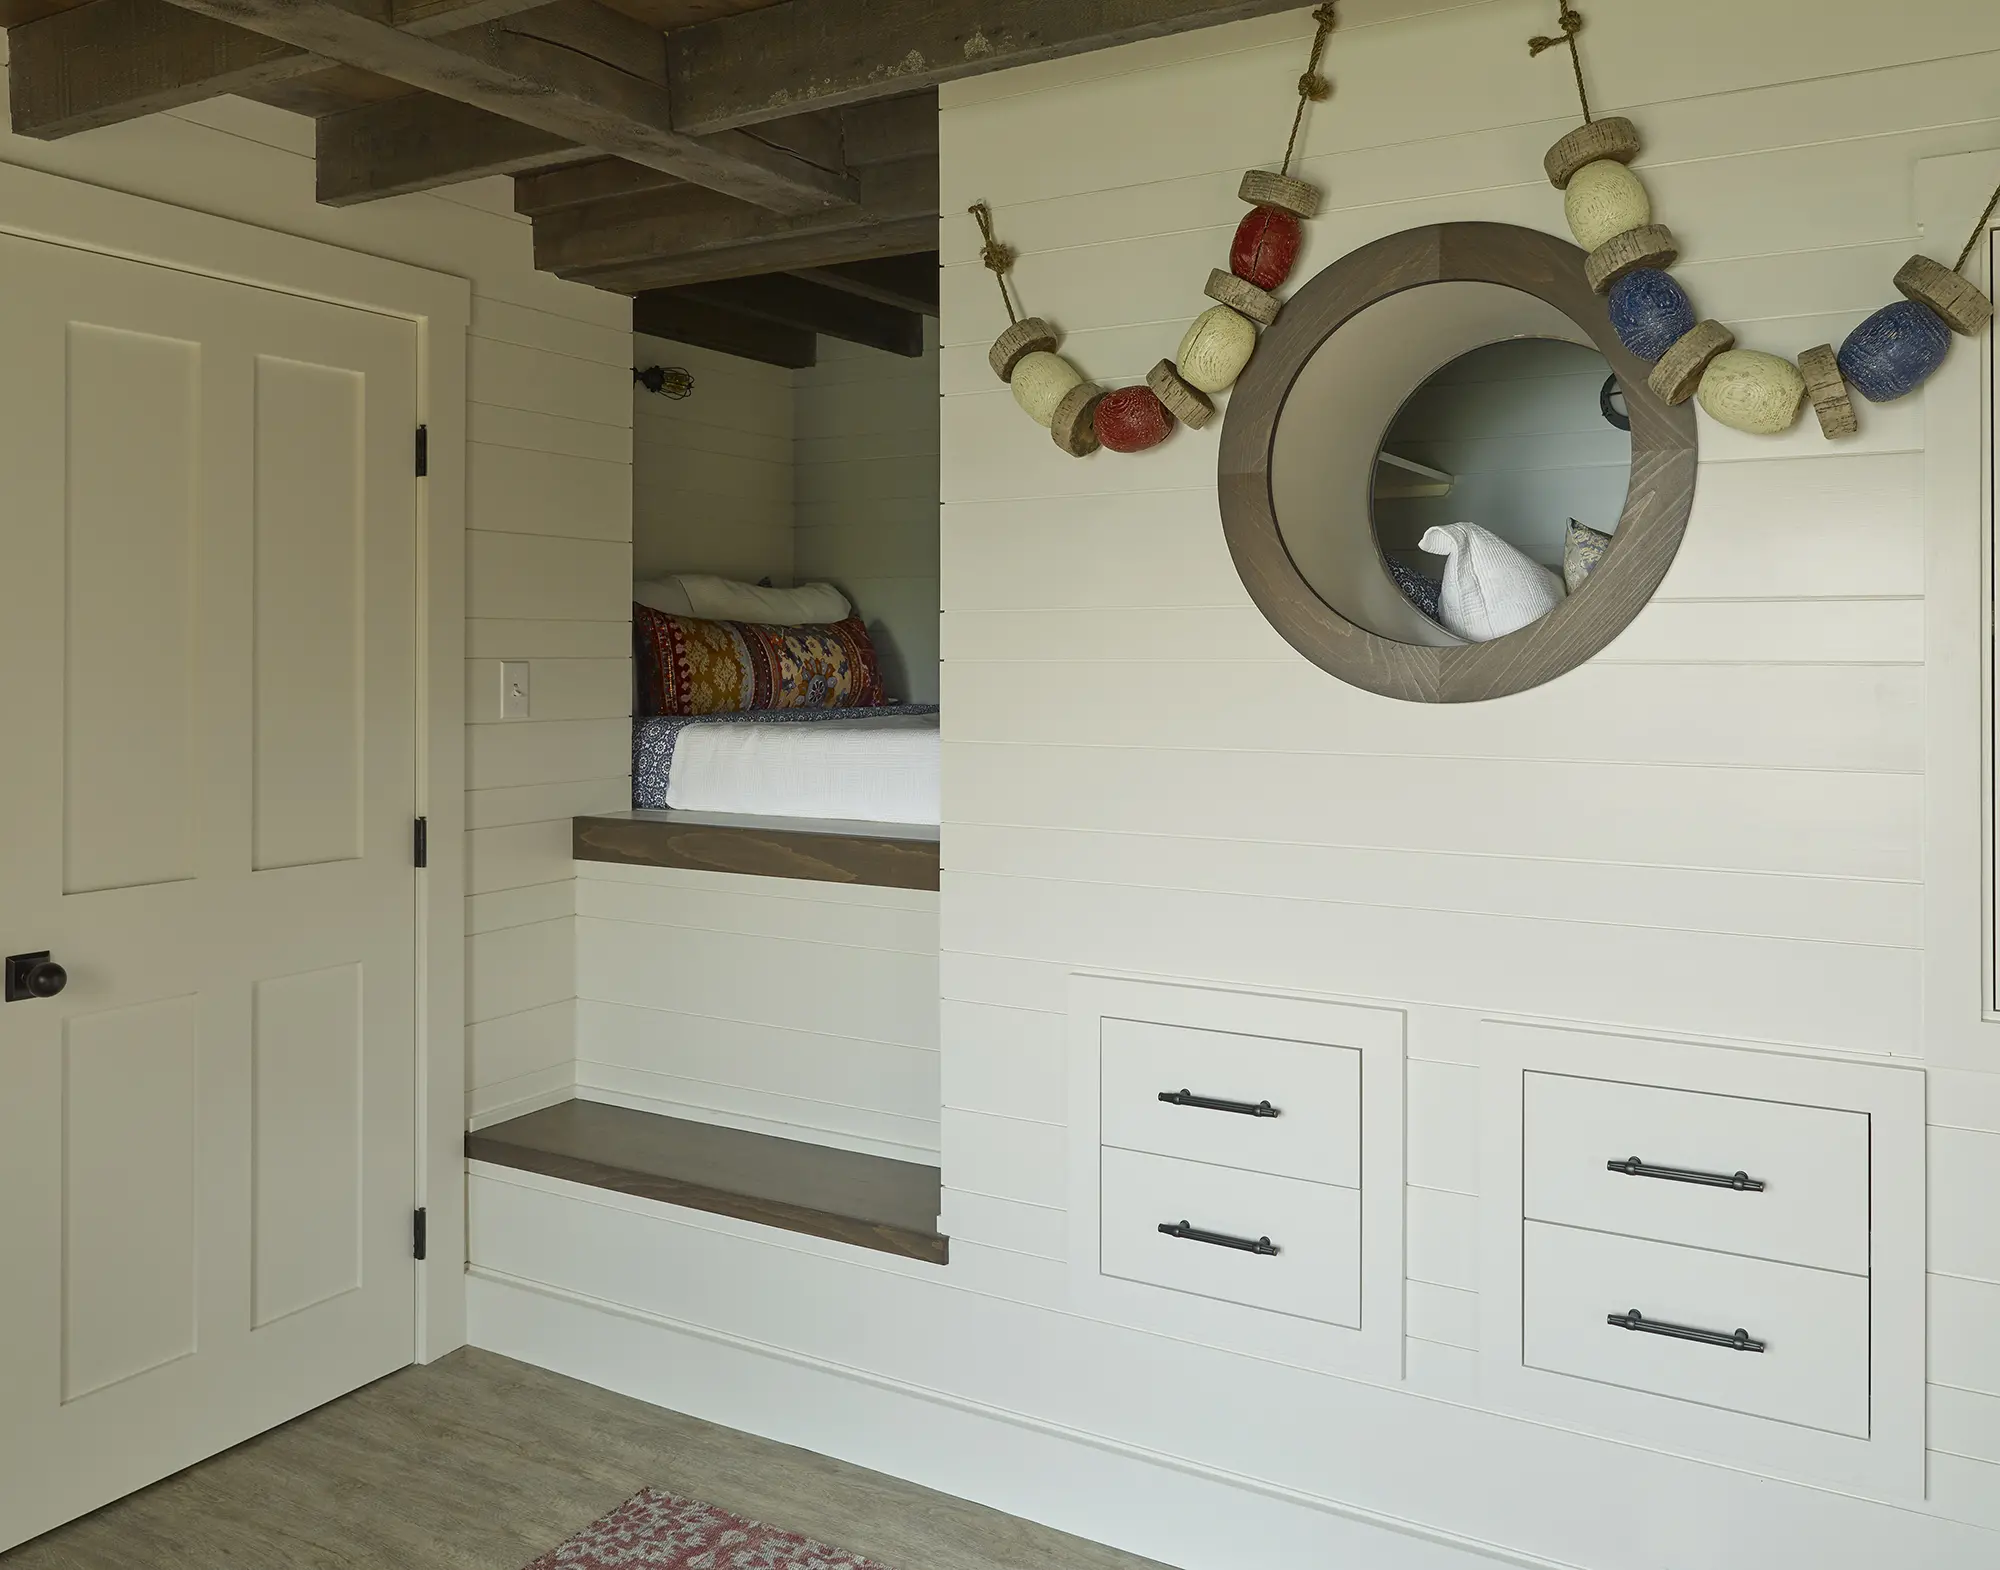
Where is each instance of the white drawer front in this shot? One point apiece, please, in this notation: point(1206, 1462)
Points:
point(1813, 1162)
point(1315, 1274)
point(1315, 1091)
point(1814, 1323)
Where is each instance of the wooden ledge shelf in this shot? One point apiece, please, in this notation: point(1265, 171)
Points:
point(868, 1201)
point(885, 855)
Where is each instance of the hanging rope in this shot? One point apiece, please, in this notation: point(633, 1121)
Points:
point(1571, 23)
point(1313, 88)
point(1972, 240)
point(998, 258)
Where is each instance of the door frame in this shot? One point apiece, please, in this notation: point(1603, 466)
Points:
point(1961, 1025)
point(69, 212)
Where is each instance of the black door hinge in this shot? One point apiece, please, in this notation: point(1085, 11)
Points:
point(422, 847)
point(423, 451)
point(420, 1235)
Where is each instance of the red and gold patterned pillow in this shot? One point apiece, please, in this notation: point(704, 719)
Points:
point(690, 666)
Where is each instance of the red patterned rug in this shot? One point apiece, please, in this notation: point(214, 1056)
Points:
point(656, 1531)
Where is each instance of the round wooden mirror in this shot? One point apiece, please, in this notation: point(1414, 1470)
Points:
point(1307, 434)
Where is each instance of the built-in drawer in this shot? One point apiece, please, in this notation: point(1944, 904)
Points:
point(1812, 1326)
point(1243, 1237)
point(1265, 1105)
point(1804, 1194)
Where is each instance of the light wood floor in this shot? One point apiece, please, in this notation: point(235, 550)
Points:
point(481, 1463)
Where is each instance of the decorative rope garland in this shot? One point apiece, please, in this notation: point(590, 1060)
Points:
point(1082, 416)
point(1890, 355)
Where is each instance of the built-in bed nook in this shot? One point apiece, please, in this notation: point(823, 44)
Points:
point(757, 937)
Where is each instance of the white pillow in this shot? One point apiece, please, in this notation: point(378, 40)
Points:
point(665, 595)
point(1490, 588)
point(724, 599)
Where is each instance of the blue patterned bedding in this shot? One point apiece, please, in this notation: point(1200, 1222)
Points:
point(654, 738)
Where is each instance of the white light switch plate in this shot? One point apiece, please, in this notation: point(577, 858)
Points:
point(514, 690)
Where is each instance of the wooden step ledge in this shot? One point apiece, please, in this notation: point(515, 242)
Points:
point(868, 1201)
point(885, 855)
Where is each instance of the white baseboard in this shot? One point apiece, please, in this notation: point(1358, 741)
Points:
point(1149, 1505)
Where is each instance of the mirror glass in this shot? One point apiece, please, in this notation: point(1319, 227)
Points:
point(1514, 453)
point(1451, 404)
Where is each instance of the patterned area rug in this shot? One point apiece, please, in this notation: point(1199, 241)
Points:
point(656, 1531)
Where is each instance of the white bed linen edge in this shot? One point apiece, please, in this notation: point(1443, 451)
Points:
point(874, 770)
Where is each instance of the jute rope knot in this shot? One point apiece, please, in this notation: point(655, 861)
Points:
point(1313, 88)
point(1571, 23)
point(998, 259)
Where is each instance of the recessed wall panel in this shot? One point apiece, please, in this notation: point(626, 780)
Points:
point(130, 1133)
point(129, 789)
point(307, 1105)
point(309, 679)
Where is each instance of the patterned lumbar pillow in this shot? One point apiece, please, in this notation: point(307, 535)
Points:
point(1419, 590)
point(1583, 549)
point(1490, 588)
point(692, 665)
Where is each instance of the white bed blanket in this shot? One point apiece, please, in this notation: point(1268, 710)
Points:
point(874, 770)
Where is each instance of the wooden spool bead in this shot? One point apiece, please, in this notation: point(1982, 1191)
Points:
point(1828, 390)
point(1030, 335)
point(1649, 247)
point(1074, 425)
point(1616, 138)
point(1962, 307)
point(1184, 402)
point(1748, 390)
point(1604, 200)
point(1245, 299)
point(1216, 348)
point(1895, 351)
point(1133, 419)
point(1261, 188)
point(1681, 368)
point(1266, 247)
point(1650, 312)
point(1041, 382)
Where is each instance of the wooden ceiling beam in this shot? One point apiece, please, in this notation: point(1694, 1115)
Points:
point(832, 313)
point(419, 142)
point(576, 70)
point(109, 61)
point(808, 54)
point(890, 130)
point(686, 220)
point(892, 237)
point(909, 283)
point(668, 314)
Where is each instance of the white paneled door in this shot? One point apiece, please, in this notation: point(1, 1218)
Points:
point(207, 780)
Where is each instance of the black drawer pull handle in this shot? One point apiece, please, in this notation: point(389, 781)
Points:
point(1632, 1319)
point(1742, 1182)
point(1248, 1245)
point(1249, 1109)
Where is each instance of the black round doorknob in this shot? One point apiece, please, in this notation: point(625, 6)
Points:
point(46, 979)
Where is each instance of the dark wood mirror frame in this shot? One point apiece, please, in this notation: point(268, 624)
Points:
point(1664, 460)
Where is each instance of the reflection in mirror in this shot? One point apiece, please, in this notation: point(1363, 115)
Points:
point(1500, 482)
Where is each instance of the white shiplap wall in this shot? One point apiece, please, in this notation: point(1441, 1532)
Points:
point(547, 549)
point(712, 473)
point(1715, 829)
point(805, 1010)
point(866, 481)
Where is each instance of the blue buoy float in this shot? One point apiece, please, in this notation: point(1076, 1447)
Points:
point(1895, 351)
point(1650, 312)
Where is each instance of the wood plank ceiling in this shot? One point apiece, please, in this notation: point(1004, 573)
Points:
point(753, 172)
